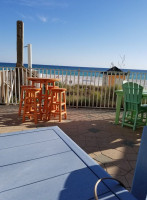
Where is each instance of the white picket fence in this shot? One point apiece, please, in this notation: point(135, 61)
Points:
point(93, 89)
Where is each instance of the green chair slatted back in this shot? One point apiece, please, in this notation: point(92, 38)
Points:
point(133, 111)
point(132, 95)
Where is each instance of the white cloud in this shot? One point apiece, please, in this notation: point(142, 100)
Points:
point(57, 20)
point(42, 18)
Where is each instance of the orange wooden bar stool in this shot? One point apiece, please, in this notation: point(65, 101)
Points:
point(32, 104)
point(46, 84)
point(22, 97)
point(46, 100)
point(58, 103)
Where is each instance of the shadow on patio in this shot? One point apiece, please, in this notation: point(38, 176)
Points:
point(113, 147)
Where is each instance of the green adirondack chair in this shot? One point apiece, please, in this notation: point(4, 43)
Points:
point(134, 114)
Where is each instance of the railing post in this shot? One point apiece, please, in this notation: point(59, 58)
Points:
point(3, 89)
point(77, 104)
point(7, 87)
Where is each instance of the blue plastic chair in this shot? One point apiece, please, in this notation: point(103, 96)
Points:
point(139, 186)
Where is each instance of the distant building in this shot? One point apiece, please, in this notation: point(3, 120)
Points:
point(113, 76)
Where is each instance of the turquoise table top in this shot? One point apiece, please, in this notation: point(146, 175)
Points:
point(45, 164)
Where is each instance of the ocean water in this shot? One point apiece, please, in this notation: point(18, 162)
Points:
point(86, 71)
point(57, 67)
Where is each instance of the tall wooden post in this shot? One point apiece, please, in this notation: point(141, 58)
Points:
point(19, 64)
point(20, 38)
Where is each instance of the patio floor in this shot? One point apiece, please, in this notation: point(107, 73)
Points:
point(113, 147)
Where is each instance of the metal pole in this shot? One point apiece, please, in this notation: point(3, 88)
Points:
point(77, 104)
point(29, 56)
point(29, 46)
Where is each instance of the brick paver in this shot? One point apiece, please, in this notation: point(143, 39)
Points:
point(111, 146)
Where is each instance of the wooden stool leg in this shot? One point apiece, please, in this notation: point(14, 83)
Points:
point(35, 110)
point(51, 106)
point(64, 100)
point(25, 109)
point(40, 104)
point(60, 107)
point(20, 104)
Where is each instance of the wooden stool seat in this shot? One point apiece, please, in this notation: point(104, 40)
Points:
point(22, 97)
point(58, 103)
point(32, 104)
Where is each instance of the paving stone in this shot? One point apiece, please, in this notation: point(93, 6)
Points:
point(129, 143)
point(123, 164)
point(113, 169)
point(123, 180)
point(92, 155)
point(132, 164)
point(129, 179)
point(126, 149)
point(113, 154)
point(118, 140)
point(132, 172)
point(131, 157)
point(94, 130)
point(102, 158)
point(97, 153)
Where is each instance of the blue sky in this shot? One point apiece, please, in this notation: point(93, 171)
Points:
point(91, 33)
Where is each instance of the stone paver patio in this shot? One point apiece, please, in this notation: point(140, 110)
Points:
point(113, 147)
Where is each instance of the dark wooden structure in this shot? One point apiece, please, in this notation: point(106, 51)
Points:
point(20, 46)
point(20, 38)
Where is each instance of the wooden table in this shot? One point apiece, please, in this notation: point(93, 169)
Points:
point(119, 94)
point(45, 164)
point(46, 82)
